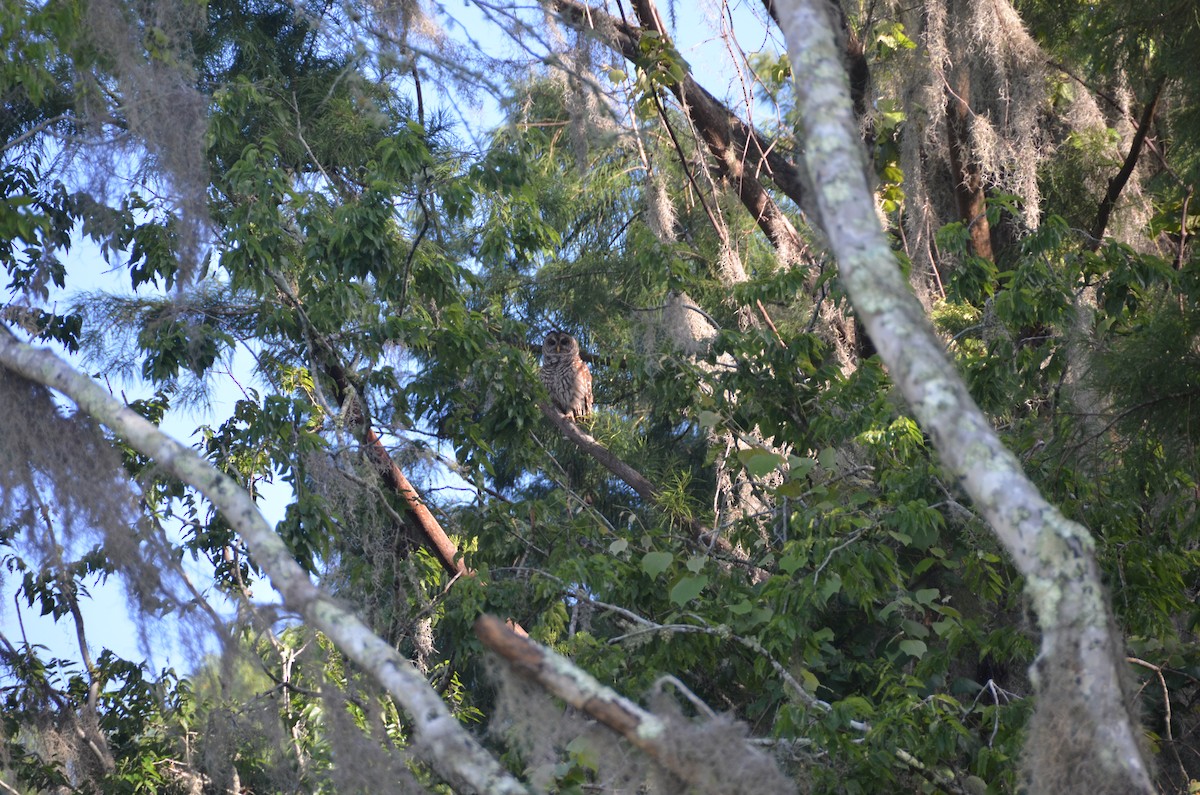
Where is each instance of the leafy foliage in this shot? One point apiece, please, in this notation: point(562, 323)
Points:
point(857, 617)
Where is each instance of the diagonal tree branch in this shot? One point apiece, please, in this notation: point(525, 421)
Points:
point(701, 533)
point(1117, 183)
point(1078, 676)
point(634, 479)
point(643, 729)
point(418, 518)
point(453, 753)
point(742, 152)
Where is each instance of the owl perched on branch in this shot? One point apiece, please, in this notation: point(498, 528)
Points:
point(566, 376)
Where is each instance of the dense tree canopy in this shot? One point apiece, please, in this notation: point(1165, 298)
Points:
point(891, 315)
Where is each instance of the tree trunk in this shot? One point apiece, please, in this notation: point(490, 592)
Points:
point(968, 182)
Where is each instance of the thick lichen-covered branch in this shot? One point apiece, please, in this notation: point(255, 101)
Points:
point(441, 740)
point(1054, 554)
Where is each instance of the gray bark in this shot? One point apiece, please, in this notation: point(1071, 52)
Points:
point(1077, 672)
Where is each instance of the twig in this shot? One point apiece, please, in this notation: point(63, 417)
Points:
point(697, 702)
point(762, 310)
point(717, 225)
point(1183, 233)
point(933, 776)
point(32, 131)
point(857, 534)
point(1162, 682)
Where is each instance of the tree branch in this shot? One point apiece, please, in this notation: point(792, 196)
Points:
point(452, 753)
point(420, 520)
point(701, 533)
point(1117, 183)
point(742, 152)
point(968, 180)
point(635, 480)
point(643, 729)
point(1077, 671)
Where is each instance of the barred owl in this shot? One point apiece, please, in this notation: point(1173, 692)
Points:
point(565, 375)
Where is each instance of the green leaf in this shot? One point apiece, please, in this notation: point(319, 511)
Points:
point(617, 547)
point(913, 648)
point(760, 462)
point(925, 596)
point(687, 589)
point(655, 563)
point(791, 489)
point(583, 751)
point(942, 628)
point(696, 563)
point(829, 586)
point(799, 467)
point(809, 681)
point(789, 563)
point(741, 608)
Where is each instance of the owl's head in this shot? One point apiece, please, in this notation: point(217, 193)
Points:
point(559, 343)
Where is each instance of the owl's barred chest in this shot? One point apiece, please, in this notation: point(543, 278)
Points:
point(560, 376)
